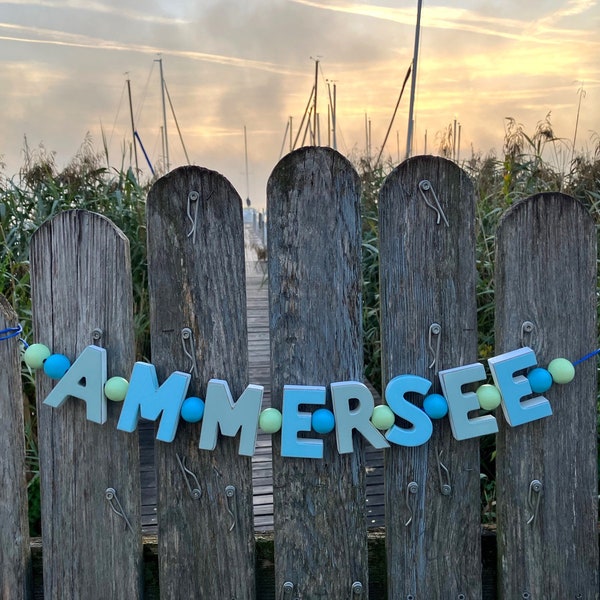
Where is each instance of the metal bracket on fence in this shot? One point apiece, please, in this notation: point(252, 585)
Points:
point(533, 499)
point(435, 331)
point(444, 477)
point(196, 491)
point(187, 341)
point(230, 494)
point(411, 488)
point(357, 589)
point(425, 186)
point(193, 198)
point(115, 505)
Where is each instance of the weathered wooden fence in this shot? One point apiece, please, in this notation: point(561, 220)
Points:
point(81, 294)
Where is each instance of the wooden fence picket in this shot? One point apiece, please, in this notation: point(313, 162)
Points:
point(15, 556)
point(81, 295)
point(314, 244)
point(546, 277)
point(427, 278)
point(197, 282)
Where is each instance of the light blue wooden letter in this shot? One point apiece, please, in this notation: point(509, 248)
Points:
point(360, 419)
point(221, 411)
point(84, 380)
point(503, 368)
point(295, 421)
point(146, 399)
point(422, 427)
point(461, 403)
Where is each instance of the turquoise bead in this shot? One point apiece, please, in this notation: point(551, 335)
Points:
point(56, 365)
point(323, 421)
point(270, 420)
point(489, 396)
point(192, 409)
point(435, 406)
point(115, 389)
point(562, 370)
point(383, 417)
point(35, 355)
point(540, 380)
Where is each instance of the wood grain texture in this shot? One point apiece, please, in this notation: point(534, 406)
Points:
point(200, 284)
point(15, 557)
point(546, 274)
point(81, 280)
point(427, 275)
point(314, 241)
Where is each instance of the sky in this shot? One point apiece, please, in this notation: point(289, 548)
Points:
point(235, 64)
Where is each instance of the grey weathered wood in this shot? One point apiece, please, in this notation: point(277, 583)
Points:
point(81, 281)
point(427, 275)
point(546, 274)
point(314, 240)
point(200, 284)
point(15, 557)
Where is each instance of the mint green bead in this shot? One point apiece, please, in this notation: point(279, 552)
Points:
point(35, 355)
point(383, 417)
point(270, 420)
point(115, 389)
point(489, 396)
point(562, 370)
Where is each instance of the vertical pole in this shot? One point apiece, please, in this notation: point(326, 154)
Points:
point(333, 120)
point(454, 141)
point(164, 111)
point(246, 162)
point(458, 144)
point(315, 102)
point(413, 83)
point(132, 127)
point(291, 142)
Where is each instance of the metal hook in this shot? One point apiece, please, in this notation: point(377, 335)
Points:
point(193, 197)
point(535, 487)
point(187, 339)
point(195, 492)
point(230, 494)
point(425, 186)
point(97, 336)
point(435, 329)
point(527, 327)
point(357, 589)
point(412, 488)
point(113, 501)
point(444, 477)
point(287, 590)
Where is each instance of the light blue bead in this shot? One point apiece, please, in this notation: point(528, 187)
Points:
point(323, 421)
point(192, 409)
point(435, 406)
point(540, 380)
point(56, 365)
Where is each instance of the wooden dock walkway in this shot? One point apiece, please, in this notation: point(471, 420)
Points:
point(257, 302)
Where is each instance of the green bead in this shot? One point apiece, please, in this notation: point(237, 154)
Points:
point(115, 389)
point(35, 355)
point(383, 417)
point(489, 396)
point(270, 420)
point(562, 370)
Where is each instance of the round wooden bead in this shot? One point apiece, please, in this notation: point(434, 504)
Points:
point(323, 421)
point(540, 380)
point(35, 355)
point(562, 370)
point(192, 409)
point(489, 396)
point(270, 420)
point(115, 389)
point(56, 365)
point(383, 417)
point(435, 406)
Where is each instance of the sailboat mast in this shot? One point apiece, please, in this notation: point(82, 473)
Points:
point(413, 83)
point(246, 161)
point(137, 169)
point(315, 102)
point(164, 111)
